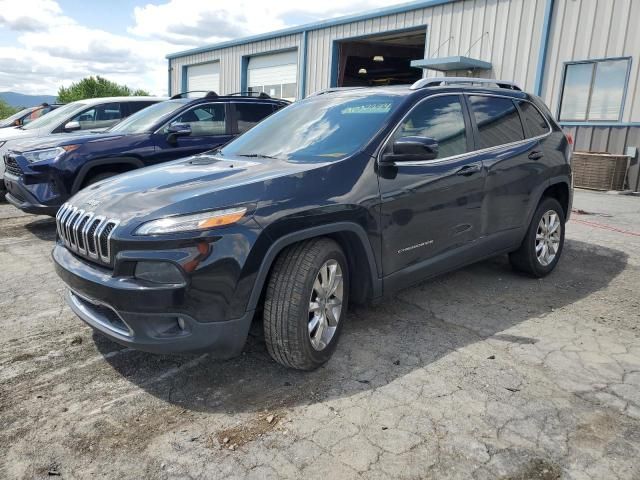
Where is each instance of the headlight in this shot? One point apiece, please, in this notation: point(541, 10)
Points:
point(193, 222)
point(48, 153)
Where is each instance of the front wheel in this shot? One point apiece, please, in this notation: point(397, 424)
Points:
point(305, 303)
point(542, 245)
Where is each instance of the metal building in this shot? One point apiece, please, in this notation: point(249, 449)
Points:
point(581, 56)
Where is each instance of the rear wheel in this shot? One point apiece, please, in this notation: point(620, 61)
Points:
point(542, 246)
point(305, 303)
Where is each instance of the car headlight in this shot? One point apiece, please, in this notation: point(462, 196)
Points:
point(193, 222)
point(47, 153)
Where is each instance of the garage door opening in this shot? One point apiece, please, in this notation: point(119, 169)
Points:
point(203, 78)
point(381, 60)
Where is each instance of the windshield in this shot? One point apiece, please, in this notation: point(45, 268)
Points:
point(320, 128)
point(56, 117)
point(16, 116)
point(144, 120)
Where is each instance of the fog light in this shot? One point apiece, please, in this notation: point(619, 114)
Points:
point(181, 323)
point(158, 272)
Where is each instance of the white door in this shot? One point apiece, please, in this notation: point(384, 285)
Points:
point(274, 74)
point(204, 77)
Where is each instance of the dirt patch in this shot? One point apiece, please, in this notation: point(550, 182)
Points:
point(537, 469)
point(247, 432)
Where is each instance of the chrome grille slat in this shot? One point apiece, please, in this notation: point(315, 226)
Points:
point(85, 233)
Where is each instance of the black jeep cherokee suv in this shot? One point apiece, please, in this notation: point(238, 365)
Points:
point(342, 197)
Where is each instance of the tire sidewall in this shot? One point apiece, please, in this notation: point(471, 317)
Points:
point(546, 205)
point(320, 357)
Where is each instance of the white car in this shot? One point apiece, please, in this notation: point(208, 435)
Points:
point(89, 114)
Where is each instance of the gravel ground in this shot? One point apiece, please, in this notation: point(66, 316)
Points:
point(481, 373)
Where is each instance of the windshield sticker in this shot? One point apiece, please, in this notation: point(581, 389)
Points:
point(368, 109)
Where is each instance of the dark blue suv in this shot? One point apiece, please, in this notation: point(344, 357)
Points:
point(42, 174)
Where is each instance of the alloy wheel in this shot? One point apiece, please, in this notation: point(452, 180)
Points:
point(325, 304)
point(548, 238)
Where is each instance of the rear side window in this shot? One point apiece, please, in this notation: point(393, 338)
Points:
point(248, 114)
point(533, 120)
point(137, 106)
point(497, 120)
point(440, 118)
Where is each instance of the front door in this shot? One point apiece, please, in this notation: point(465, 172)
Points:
point(209, 129)
point(431, 207)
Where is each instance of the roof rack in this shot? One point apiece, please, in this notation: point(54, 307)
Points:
point(249, 94)
point(208, 94)
point(333, 89)
point(439, 81)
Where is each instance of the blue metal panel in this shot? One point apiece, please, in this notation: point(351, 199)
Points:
point(302, 67)
point(184, 78)
point(380, 12)
point(244, 66)
point(447, 64)
point(169, 78)
point(542, 55)
point(335, 58)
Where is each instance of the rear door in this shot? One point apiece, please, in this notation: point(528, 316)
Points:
point(511, 161)
point(431, 207)
point(210, 128)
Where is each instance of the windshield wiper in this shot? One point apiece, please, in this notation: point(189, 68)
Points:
point(254, 155)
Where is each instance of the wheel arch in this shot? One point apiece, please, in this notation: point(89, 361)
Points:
point(355, 243)
point(96, 166)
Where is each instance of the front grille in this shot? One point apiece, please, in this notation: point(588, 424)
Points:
point(85, 233)
point(11, 166)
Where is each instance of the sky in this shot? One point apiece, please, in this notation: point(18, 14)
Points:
point(45, 44)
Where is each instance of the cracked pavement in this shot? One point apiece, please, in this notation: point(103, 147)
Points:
point(481, 373)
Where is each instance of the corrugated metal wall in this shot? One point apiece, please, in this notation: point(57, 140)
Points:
point(230, 61)
point(590, 29)
point(503, 32)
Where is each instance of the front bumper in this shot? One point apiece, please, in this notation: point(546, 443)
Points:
point(144, 317)
point(21, 198)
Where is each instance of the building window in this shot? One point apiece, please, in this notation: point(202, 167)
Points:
point(594, 90)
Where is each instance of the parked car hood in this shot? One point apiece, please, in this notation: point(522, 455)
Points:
point(190, 185)
point(60, 139)
point(18, 133)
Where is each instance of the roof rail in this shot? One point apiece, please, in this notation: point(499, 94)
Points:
point(249, 93)
point(439, 81)
point(208, 94)
point(331, 90)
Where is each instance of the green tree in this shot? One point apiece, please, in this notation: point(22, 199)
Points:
point(94, 87)
point(6, 110)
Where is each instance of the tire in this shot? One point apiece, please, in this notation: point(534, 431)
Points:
point(98, 178)
point(296, 337)
point(526, 259)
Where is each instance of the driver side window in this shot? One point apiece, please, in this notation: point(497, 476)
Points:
point(204, 120)
point(440, 118)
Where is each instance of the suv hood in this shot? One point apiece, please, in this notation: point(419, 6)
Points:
point(194, 184)
point(59, 139)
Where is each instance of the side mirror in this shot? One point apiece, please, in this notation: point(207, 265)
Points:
point(412, 149)
point(72, 126)
point(178, 130)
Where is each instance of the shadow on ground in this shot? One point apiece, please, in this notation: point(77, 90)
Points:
point(380, 343)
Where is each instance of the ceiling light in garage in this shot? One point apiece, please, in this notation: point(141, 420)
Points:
point(378, 58)
point(362, 71)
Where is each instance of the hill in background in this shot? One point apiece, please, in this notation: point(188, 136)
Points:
point(20, 100)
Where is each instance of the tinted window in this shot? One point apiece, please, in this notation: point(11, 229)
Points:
point(533, 119)
point(323, 128)
point(497, 120)
point(208, 119)
point(249, 114)
point(137, 106)
point(100, 116)
point(440, 118)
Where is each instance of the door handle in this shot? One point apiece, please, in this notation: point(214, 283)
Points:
point(536, 155)
point(468, 170)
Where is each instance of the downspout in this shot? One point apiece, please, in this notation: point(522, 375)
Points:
point(302, 89)
point(544, 46)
